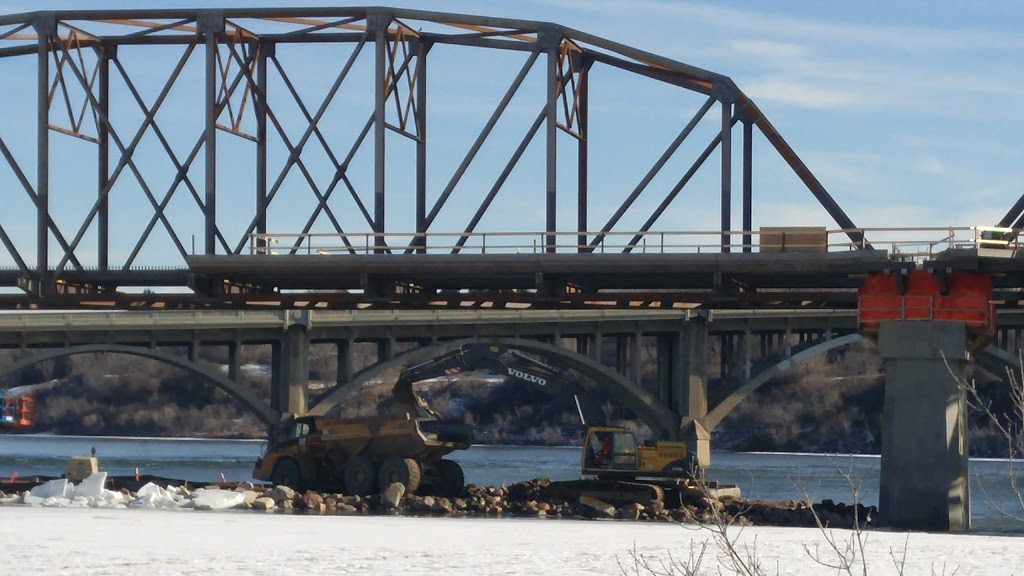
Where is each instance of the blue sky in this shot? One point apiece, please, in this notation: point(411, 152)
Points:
point(904, 110)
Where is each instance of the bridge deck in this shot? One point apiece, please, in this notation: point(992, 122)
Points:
point(590, 272)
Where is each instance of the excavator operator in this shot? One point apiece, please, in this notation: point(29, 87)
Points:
point(603, 456)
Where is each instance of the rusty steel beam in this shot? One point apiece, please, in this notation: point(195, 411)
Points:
point(44, 28)
point(210, 143)
point(582, 158)
point(748, 193)
point(551, 147)
point(421, 144)
point(379, 124)
point(103, 161)
point(726, 175)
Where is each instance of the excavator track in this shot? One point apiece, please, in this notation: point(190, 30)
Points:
point(615, 492)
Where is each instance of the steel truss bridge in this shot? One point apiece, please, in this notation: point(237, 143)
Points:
point(231, 67)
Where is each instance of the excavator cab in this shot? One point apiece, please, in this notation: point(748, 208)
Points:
point(609, 452)
point(17, 412)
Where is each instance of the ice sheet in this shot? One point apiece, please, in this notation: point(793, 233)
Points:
point(128, 542)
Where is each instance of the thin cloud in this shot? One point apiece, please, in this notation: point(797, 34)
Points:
point(932, 166)
point(907, 38)
point(801, 94)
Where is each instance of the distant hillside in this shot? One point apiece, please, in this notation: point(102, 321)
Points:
point(830, 404)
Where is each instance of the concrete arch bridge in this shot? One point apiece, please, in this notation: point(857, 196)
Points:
point(691, 395)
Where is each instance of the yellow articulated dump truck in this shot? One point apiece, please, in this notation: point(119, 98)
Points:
point(362, 456)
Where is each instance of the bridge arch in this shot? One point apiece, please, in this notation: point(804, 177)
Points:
point(265, 413)
point(662, 421)
point(718, 413)
point(997, 361)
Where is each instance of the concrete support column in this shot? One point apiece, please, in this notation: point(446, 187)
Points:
point(746, 354)
point(291, 366)
point(666, 357)
point(234, 361)
point(621, 353)
point(385, 349)
point(597, 346)
point(924, 468)
point(690, 388)
point(582, 345)
point(344, 360)
point(725, 356)
point(635, 353)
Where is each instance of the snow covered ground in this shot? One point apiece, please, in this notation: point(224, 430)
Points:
point(115, 542)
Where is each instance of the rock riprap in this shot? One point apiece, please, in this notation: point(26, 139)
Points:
point(532, 499)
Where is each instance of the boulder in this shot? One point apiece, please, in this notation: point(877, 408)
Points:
point(392, 495)
point(442, 505)
point(347, 509)
point(631, 511)
point(264, 503)
point(281, 494)
point(312, 501)
point(249, 496)
point(598, 508)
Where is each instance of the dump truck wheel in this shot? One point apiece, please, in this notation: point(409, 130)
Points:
point(403, 470)
point(286, 473)
point(453, 479)
point(360, 476)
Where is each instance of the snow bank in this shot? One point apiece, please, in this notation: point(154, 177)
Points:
point(92, 493)
point(120, 543)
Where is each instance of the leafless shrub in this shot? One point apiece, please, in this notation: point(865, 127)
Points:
point(1009, 426)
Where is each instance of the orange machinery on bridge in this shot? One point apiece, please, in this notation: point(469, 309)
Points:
point(16, 411)
point(959, 296)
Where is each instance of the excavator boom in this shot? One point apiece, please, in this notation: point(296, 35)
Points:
point(515, 365)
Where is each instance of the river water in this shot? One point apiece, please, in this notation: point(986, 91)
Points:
point(771, 477)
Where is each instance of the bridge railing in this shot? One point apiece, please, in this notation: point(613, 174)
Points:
point(906, 243)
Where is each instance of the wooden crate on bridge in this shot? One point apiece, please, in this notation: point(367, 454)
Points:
point(793, 239)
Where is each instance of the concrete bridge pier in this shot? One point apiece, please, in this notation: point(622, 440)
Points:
point(290, 377)
point(685, 364)
point(924, 468)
